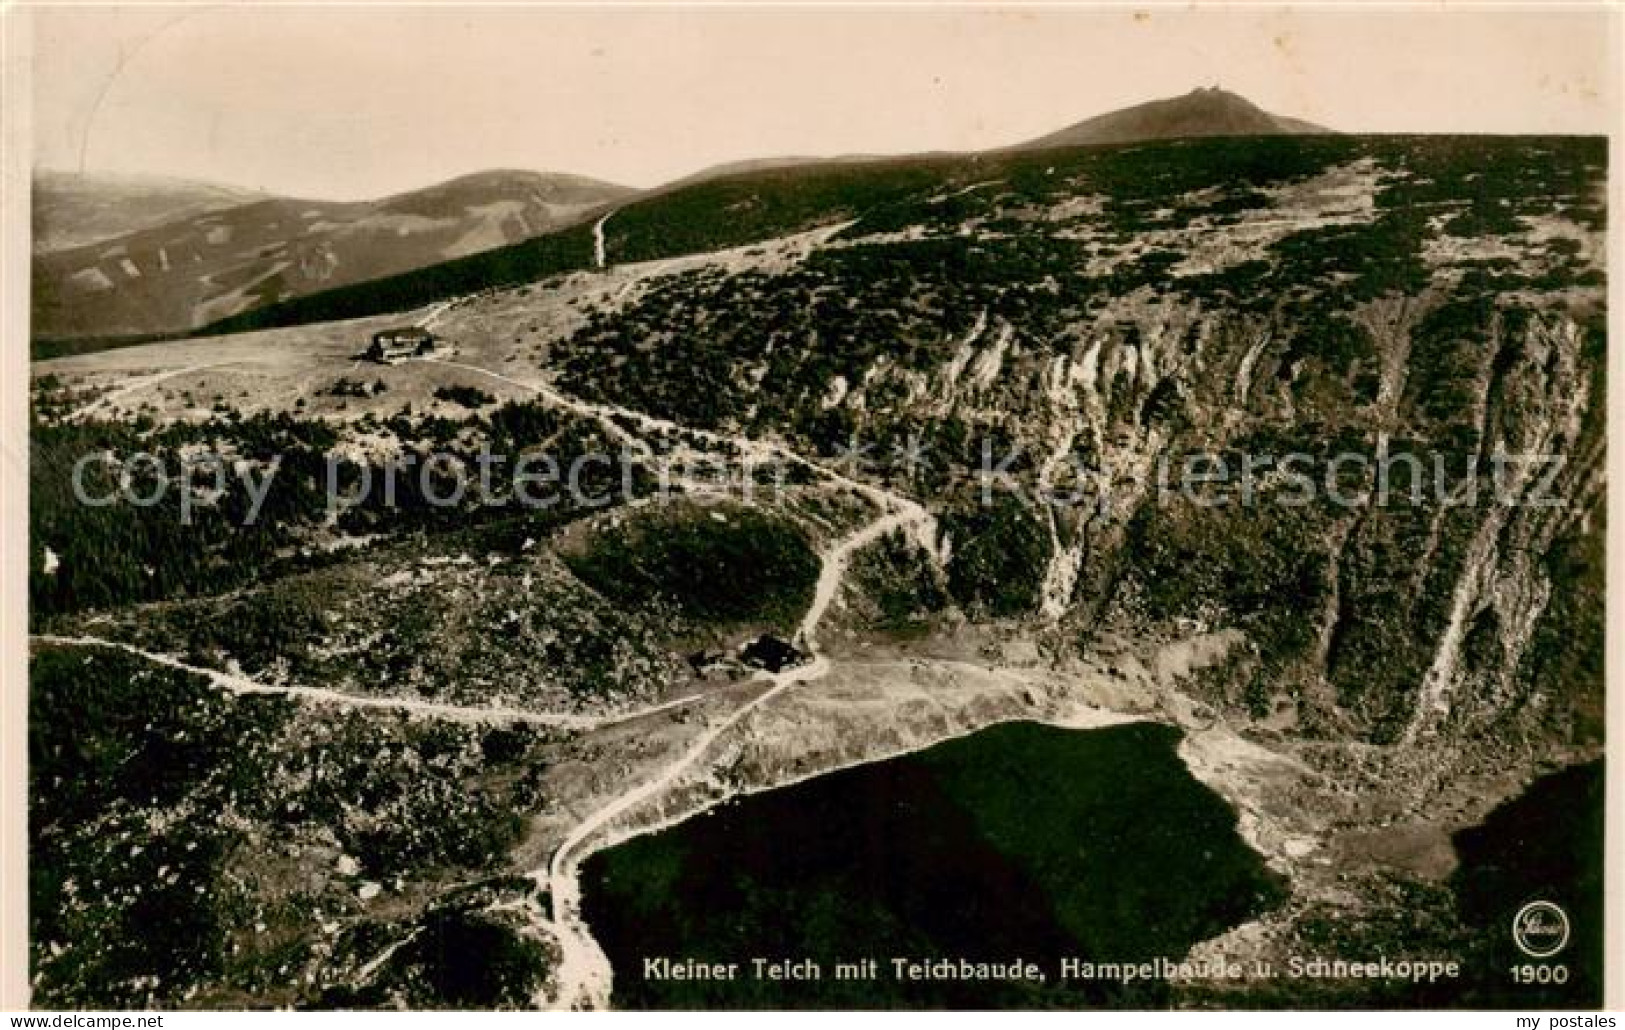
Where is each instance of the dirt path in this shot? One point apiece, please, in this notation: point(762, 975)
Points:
point(140, 384)
point(432, 316)
point(583, 974)
point(833, 572)
point(750, 450)
point(477, 714)
point(598, 256)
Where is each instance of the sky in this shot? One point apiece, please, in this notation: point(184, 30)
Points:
point(357, 102)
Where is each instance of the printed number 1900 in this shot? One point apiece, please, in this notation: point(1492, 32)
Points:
point(1530, 973)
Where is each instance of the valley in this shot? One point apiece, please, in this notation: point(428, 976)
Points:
point(963, 379)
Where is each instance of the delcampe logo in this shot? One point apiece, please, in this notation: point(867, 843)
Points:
point(1540, 929)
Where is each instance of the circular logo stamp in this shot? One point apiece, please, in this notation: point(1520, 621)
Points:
point(1540, 929)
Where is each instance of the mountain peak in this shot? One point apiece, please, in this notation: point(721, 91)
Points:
point(1204, 111)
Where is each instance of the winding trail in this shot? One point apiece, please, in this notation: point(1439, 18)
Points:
point(583, 974)
point(836, 560)
point(140, 384)
point(477, 714)
point(748, 449)
point(602, 413)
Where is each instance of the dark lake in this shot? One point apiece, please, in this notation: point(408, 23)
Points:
point(1544, 845)
point(1022, 841)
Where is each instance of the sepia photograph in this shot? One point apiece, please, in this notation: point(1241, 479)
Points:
point(589, 507)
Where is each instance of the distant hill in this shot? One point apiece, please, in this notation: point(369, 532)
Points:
point(727, 211)
point(281, 262)
point(71, 210)
point(1201, 112)
point(204, 266)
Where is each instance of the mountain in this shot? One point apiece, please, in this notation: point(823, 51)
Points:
point(1296, 444)
point(201, 267)
point(72, 210)
point(1201, 112)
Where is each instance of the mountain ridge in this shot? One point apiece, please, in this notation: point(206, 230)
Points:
point(1203, 112)
point(74, 209)
point(220, 261)
point(282, 249)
